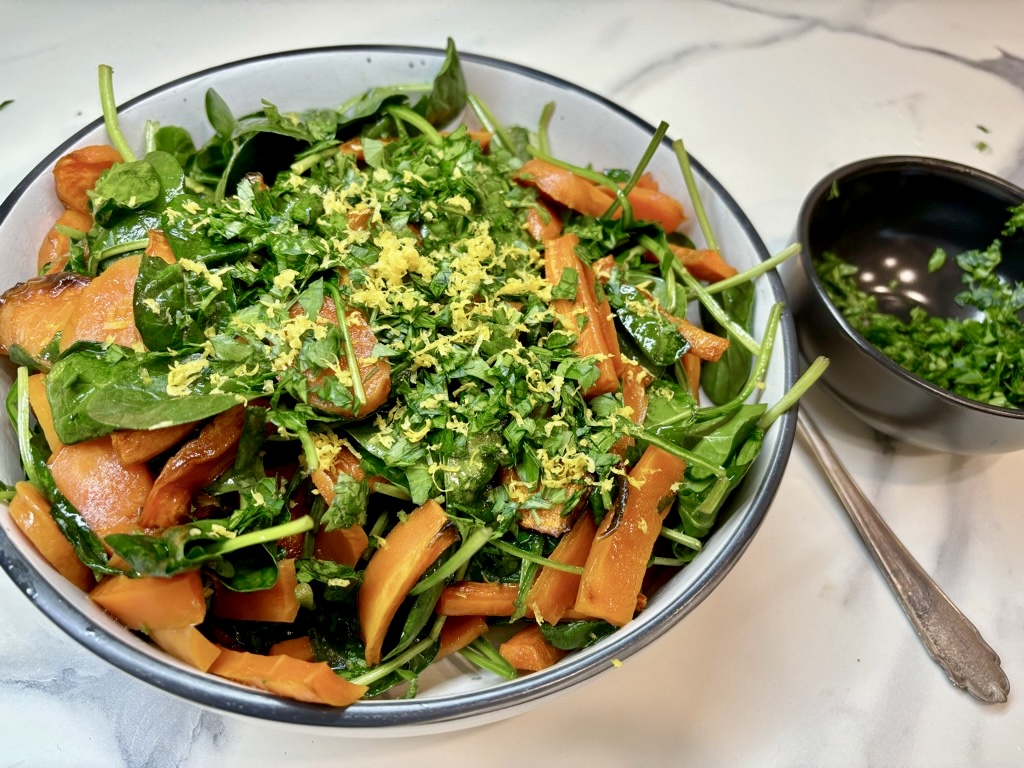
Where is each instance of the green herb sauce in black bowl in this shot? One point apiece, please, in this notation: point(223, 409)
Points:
point(887, 218)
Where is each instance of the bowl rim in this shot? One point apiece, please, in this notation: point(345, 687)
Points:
point(887, 163)
point(439, 712)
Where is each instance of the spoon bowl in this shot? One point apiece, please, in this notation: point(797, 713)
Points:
point(887, 216)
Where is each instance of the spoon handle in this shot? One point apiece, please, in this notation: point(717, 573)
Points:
point(950, 638)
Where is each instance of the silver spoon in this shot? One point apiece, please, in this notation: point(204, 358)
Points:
point(949, 637)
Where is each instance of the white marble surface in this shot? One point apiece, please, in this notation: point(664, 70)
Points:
point(801, 656)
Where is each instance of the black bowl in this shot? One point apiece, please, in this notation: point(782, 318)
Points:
point(888, 215)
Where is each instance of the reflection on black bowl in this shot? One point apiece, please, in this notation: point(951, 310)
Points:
point(887, 216)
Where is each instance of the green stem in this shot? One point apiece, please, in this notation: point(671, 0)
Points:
point(652, 147)
point(542, 130)
point(760, 367)
point(416, 120)
point(755, 271)
point(24, 434)
point(811, 375)
point(473, 544)
point(299, 167)
point(152, 126)
point(488, 121)
point(529, 557)
point(483, 654)
point(680, 538)
point(689, 457)
point(712, 306)
point(350, 353)
point(691, 186)
point(109, 106)
point(265, 535)
point(383, 670)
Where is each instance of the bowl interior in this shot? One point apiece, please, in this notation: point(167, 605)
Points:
point(586, 129)
point(888, 217)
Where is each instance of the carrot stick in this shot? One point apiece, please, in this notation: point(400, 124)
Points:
point(591, 341)
point(615, 567)
point(553, 592)
point(528, 651)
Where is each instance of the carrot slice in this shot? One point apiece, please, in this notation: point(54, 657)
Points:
point(591, 341)
point(296, 647)
point(30, 511)
point(196, 464)
point(105, 310)
point(32, 312)
point(553, 592)
point(106, 493)
point(404, 555)
point(528, 651)
point(477, 598)
point(651, 205)
point(278, 604)
point(56, 247)
point(564, 187)
point(76, 173)
point(691, 366)
point(313, 682)
point(187, 644)
point(137, 445)
point(151, 602)
point(615, 567)
point(704, 264)
point(458, 632)
point(543, 223)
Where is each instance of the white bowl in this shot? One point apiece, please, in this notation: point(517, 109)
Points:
point(586, 129)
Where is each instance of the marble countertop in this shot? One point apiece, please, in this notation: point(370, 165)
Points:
point(801, 656)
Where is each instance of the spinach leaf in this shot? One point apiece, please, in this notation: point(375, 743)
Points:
point(447, 99)
point(651, 330)
point(573, 635)
point(723, 379)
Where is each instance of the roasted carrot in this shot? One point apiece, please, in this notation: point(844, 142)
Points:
point(651, 205)
point(32, 312)
point(30, 511)
point(477, 598)
point(313, 682)
point(704, 264)
point(553, 592)
point(55, 248)
point(76, 173)
point(160, 246)
point(187, 644)
point(564, 187)
point(543, 223)
point(375, 373)
point(528, 651)
point(137, 445)
point(592, 338)
point(615, 567)
point(40, 405)
point(105, 492)
point(296, 647)
point(196, 464)
point(704, 344)
point(404, 555)
point(458, 632)
point(150, 602)
point(278, 604)
point(691, 366)
point(105, 310)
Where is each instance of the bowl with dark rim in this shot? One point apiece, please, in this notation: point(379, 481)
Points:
point(586, 129)
point(887, 216)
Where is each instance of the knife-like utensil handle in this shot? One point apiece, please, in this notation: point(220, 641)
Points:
point(950, 638)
